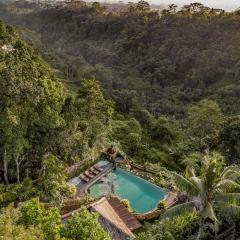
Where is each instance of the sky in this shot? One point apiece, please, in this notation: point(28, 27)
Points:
point(226, 4)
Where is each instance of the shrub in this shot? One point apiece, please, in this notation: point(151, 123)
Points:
point(127, 204)
point(178, 228)
point(161, 205)
point(84, 225)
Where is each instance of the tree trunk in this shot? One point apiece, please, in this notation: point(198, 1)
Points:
point(5, 169)
point(18, 163)
point(18, 171)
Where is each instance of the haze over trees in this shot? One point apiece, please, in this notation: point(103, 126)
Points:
point(164, 87)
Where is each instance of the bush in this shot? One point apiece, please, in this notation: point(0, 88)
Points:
point(33, 213)
point(161, 205)
point(178, 228)
point(127, 204)
point(84, 226)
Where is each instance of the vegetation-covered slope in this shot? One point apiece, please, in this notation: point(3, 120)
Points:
point(153, 66)
point(175, 82)
point(39, 116)
point(162, 63)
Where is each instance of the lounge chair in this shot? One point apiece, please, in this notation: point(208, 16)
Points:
point(98, 168)
point(94, 171)
point(84, 178)
point(88, 174)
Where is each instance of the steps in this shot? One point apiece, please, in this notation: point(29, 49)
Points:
point(128, 218)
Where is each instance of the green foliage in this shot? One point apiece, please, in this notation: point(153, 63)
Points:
point(179, 228)
point(17, 192)
point(165, 69)
point(205, 120)
point(11, 231)
point(129, 132)
point(214, 186)
point(88, 116)
point(161, 76)
point(230, 141)
point(145, 138)
point(95, 111)
point(34, 221)
point(161, 205)
point(38, 117)
point(92, 102)
point(51, 224)
point(194, 161)
point(33, 213)
point(84, 226)
point(30, 96)
point(163, 178)
point(52, 180)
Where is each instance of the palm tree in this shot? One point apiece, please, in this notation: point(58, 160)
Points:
point(216, 189)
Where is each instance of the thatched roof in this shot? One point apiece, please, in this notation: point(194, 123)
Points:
point(105, 210)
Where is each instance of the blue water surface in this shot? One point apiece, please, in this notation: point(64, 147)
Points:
point(142, 195)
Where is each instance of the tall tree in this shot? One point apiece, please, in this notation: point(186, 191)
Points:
point(31, 100)
point(205, 121)
point(230, 140)
point(52, 180)
point(95, 113)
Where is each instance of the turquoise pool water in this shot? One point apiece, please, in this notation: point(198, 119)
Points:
point(142, 195)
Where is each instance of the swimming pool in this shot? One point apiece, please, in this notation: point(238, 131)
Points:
point(142, 195)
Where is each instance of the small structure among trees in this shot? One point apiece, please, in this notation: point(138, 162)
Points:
point(7, 48)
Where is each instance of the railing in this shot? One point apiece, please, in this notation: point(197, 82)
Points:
point(143, 168)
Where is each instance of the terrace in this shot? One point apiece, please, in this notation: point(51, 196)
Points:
point(107, 179)
point(111, 186)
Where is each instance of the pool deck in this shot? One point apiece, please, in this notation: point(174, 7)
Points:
point(128, 218)
point(82, 188)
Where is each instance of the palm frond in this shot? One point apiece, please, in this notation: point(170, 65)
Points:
point(179, 209)
point(228, 209)
point(184, 184)
point(228, 185)
point(199, 183)
point(227, 197)
point(230, 172)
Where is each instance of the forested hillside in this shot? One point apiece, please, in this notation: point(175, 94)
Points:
point(173, 77)
point(154, 67)
point(162, 63)
point(39, 116)
point(163, 88)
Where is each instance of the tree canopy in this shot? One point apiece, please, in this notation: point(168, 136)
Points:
point(162, 86)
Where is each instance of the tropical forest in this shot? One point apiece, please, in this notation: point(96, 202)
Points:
point(119, 121)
